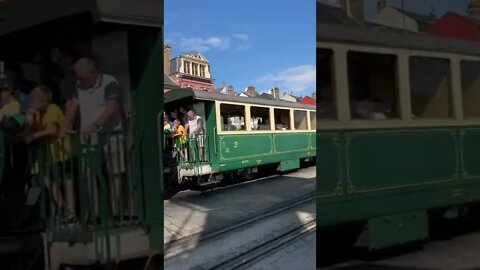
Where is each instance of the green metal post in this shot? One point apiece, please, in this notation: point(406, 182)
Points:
point(146, 68)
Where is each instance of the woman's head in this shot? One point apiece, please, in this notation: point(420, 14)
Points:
point(41, 97)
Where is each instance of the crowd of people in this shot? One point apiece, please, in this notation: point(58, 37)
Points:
point(82, 103)
point(184, 133)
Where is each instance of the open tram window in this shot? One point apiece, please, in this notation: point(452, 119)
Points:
point(325, 93)
point(430, 87)
point(260, 118)
point(373, 85)
point(470, 71)
point(282, 119)
point(233, 117)
point(300, 120)
point(313, 120)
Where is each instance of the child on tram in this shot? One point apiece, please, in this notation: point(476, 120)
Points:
point(45, 120)
point(10, 106)
point(180, 139)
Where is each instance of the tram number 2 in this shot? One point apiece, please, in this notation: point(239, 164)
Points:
point(235, 144)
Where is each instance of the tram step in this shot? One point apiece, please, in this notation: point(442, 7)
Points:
point(209, 183)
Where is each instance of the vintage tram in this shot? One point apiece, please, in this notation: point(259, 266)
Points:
point(398, 132)
point(125, 37)
point(241, 135)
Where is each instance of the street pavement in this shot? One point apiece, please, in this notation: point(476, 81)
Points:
point(189, 213)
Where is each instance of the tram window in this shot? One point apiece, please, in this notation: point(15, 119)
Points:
point(313, 120)
point(282, 119)
point(430, 87)
point(300, 120)
point(260, 118)
point(470, 71)
point(233, 117)
point(373, 85)
point(325, 93)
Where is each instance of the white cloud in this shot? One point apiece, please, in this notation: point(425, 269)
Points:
point(295, 79)
point(242, 41)
point(235, 41)
point(204, 44)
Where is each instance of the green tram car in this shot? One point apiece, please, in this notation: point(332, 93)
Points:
point(279, 136)
point(398, 133)
point(126, 39)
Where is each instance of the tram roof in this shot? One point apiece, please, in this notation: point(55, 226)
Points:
point(375, 35)
point(189, 94)
point(23, 14)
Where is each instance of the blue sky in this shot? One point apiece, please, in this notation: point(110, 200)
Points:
point(249, 42)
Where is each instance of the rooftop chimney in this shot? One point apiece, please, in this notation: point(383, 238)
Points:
point(381, 4)
point(276, 92)
point(251, 91)
point(354, 9)
point(231, 90)
point(167, 55)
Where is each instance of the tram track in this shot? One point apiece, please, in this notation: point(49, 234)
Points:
point(257, 253)
point(176, 247)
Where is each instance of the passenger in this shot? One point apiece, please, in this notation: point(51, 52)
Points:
point(184, 116)
point(48, 76)
point(45, 121)
point(98, 98)
point(10, 105)
point(15, 150)
point(180, 139)
point(21, 86)
point(68, 82)
point(367, 110)
point(167, 128)
point(195, 131)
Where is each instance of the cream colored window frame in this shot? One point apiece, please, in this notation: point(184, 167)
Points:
point(342, 100)
point(248, 116)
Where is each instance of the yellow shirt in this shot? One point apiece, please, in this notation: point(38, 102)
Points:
point(9, 109)
point(183, 138)
point(60, 146)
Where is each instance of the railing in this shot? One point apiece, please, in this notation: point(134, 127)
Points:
point(88, 183)
point(188, 151)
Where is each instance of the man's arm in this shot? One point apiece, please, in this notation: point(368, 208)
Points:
point(199, 126)
point(51, 130)
point(71, 109)
point(113, 104)
point(111, 109)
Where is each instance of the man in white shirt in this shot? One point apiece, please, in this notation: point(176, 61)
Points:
point(195, 130)
point(98, 99)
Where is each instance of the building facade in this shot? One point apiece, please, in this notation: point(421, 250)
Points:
point(401, 19)
point(192, 70)
point(457, 26)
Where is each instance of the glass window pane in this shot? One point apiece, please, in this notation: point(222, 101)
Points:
point(300, 120)
point(313, 120)
point(325, 92)
point(282, 119)
point(373, 85)
point(430, 87)
point(471, 88)
point(232, 117)
point(260, 118)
